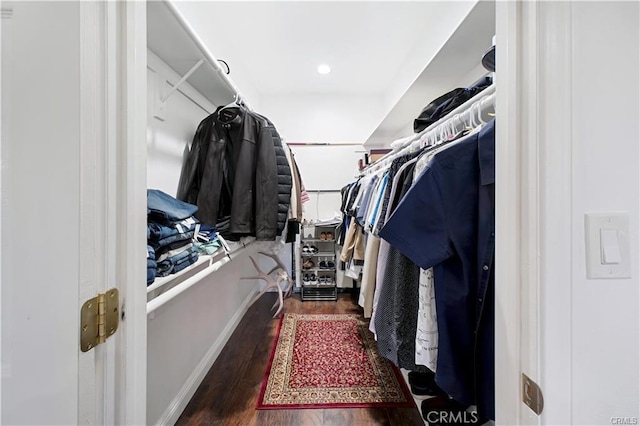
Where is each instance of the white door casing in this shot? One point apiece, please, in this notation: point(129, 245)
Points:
point(131, 214)
point(97, 232)
point(531, 184)
point(5, 32)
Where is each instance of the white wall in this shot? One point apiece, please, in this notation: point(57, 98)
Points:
point(185, 336)
point(438, 28)
point(605, 320)
point(323, 118)
point(168, 139)
point(326, 168)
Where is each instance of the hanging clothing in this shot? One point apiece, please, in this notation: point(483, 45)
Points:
point(369, 183)
point(295, 208)
point(446, 221)
point(237, 173)
point(427, 326)
point(374, 210)
point(349, 192)
point(383, 251)
point(284, 175)
point(397, 311)
point(396, 164)
point(368, 283)
point(354, 245)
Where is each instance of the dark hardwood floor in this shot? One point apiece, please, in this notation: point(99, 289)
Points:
point(229, 393)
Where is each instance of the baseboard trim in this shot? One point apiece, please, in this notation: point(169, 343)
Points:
point(179, 403)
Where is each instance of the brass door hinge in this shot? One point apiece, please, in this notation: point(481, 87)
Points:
point(99, 319)
point(532, 395)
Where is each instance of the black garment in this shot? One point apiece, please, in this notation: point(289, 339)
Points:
point(350, 208)
point(293, 229)
point(446, 103)
point(396, 317)
point(202, 173)
point(285, 180)
point(341, 232)
point(396, 164)
point(231, 173)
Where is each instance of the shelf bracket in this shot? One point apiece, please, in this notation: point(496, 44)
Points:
point(182, 80)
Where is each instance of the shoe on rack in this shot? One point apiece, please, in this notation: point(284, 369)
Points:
point(313, 249)
point(323, 236)
point(331, 265)
point(306, 250)
point(313, 279)
point(329, 236)
point(305, 279)
point(308, 264)
point(322, 265)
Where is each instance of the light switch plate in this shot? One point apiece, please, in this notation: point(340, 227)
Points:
point(594, 224)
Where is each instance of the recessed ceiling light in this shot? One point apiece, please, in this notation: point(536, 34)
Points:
point(324, 69)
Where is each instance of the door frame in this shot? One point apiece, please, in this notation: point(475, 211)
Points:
point(533, 208)
point(130, 19)
point(5, 14)
point(533, 174)
point(112, 376)
point(509, 206)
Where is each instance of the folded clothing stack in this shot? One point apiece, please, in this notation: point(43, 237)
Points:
point(209, 241)
point(152, 266)
point(171, 228)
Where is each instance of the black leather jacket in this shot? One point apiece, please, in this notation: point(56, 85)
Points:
point(231, 174)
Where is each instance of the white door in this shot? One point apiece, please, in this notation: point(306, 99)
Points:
point(63, 154)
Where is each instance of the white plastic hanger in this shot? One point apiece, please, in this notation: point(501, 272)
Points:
point(482, 122)
point(472, 124)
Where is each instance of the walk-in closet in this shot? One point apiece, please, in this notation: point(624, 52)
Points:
point(319, 213)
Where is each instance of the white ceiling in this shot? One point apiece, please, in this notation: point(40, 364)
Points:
point(378, 50)
point(276, 46)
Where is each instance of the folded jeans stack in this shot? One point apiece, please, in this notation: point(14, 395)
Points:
point(171, 228)
point(152, 266)
point(176, 260)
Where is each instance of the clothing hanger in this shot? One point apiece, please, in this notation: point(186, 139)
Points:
point(482, 122)
point(452, 128)
point(230, 113)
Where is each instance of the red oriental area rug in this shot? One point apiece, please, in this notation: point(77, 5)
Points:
point(329, 361)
